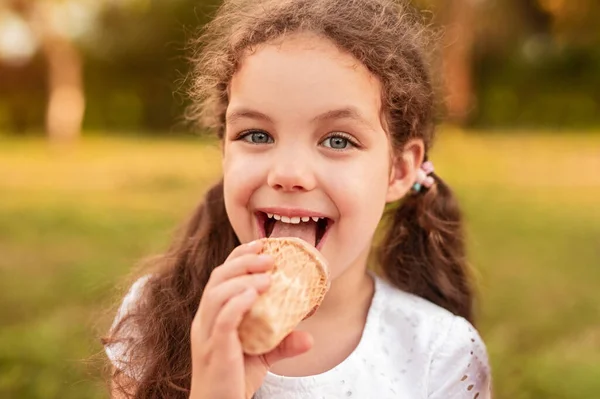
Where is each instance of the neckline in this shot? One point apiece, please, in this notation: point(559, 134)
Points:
point(368, 330)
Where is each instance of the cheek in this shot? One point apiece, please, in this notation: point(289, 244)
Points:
point(242, 175)
point(241, 171)
point(360, 188)
point(359, 196)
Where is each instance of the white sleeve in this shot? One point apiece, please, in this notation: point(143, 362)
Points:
point(459, 367)
point(118, 352)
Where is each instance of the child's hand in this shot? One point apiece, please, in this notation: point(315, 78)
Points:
point(220, 369)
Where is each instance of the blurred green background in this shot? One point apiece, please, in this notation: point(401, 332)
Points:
point(97, 170)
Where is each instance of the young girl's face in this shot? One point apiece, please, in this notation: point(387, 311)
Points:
point(304, 141)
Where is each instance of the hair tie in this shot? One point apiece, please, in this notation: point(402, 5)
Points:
point(423, 179)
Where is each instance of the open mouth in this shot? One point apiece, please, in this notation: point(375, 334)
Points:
point(312, 229)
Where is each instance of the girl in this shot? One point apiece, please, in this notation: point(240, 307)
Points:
point(324, 109)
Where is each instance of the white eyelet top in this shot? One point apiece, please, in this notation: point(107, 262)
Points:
point(410, 348)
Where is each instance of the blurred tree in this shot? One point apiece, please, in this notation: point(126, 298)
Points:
point(126, 36)
point(574, 21)
point(510, 62)
point(66, 101)
point(129, 55)
point(457, 17)
point(138, 59)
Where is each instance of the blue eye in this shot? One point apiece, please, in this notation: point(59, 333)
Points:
point(257, 137)
point(338, 142)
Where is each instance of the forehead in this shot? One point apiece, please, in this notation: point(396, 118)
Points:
point(301, 76)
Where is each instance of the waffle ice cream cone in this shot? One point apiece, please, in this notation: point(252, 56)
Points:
point(300, 280)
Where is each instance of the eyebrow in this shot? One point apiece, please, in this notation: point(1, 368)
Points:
point(342, 113)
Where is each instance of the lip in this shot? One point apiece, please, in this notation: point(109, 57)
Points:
point(261, 218)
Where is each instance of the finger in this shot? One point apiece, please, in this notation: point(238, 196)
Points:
point(216, 297)
point(231, 315)
point(239, 266)
point(222, 348)
point(253, 247)
point(296, 343)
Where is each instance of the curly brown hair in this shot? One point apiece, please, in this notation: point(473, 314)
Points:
point(422, 251)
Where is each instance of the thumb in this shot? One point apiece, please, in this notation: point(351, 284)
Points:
point(296, 343)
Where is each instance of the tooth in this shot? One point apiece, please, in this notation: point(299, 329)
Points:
point(285, 219)
point(315, 218)
point(295, 220)
point(277, 217)
point(270, 215)
point(305, 218)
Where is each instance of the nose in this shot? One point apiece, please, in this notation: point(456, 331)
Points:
point(291, 171)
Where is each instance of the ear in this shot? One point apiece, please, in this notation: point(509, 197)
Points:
point(404, 167)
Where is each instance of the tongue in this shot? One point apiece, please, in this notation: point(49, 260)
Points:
point(304, 230)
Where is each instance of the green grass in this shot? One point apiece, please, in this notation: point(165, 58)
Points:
point(75, 220)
